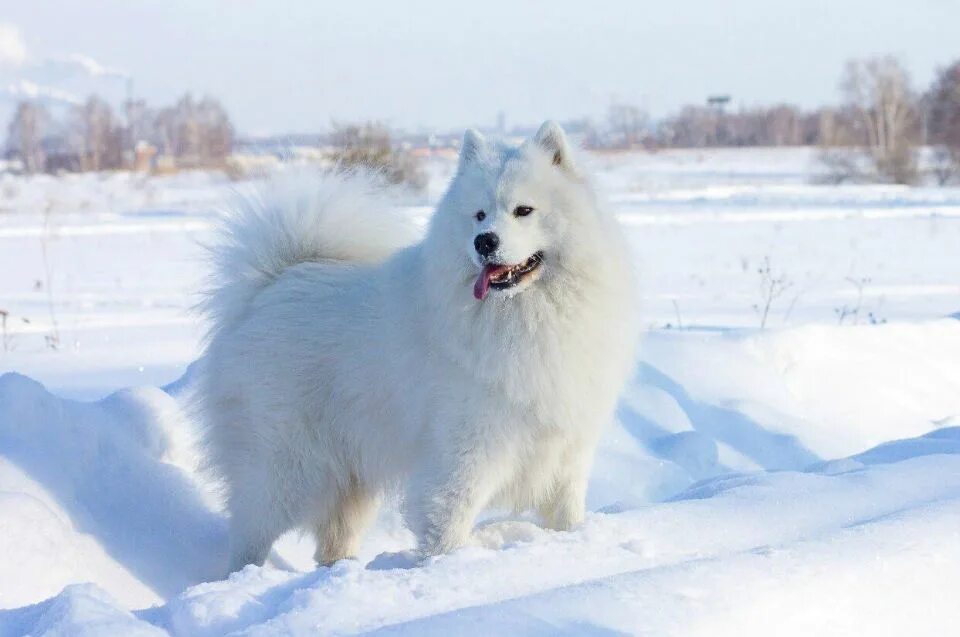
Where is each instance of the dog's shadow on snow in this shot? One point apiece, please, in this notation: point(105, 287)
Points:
point(696, 450)
point(104, 464)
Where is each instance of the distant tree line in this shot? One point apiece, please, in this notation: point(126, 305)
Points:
point(702, 126)
point(874, 134)
point(91, 136)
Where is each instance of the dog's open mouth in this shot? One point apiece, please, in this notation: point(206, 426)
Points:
point(501, 277)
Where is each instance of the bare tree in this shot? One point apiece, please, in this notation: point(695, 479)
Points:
point(781, 126)
point(216, 131)
point(197, 133)
point(628, 125)
point(25, 135)
point(880, 114)
point(692, 127)
point(370, 145)
point(178, 131)
point(943, 123)
point(166, 131)
point(811, 128)
point(839, 138)
point(141, 122)
point(96, 135)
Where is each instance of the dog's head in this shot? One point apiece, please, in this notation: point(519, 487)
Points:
point(511, 214)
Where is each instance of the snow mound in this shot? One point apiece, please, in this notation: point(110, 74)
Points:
point(94, 491)
point(81, 610)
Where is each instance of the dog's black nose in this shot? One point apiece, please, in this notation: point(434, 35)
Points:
point(486, 243)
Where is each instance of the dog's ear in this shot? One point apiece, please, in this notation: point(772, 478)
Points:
point(473, 144)
point(553, 140)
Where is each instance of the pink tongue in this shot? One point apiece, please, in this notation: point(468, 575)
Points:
point(482, 285)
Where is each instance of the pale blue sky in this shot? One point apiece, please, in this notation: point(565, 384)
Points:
point(294, 66)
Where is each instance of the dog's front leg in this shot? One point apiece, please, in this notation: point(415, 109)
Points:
point(565, 506)
point(463, 481)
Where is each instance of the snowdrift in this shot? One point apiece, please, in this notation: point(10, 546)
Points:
point(784, 481)
point(100, 491)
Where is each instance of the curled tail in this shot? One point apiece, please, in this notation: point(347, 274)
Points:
point(332, 217)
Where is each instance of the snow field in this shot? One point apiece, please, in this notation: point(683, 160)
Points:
point(795, 480)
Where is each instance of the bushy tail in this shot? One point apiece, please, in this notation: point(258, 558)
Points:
point(332, 217)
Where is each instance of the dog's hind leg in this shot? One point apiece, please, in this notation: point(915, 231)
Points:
point(339, 532)
point(257, 519)
point(252, 534)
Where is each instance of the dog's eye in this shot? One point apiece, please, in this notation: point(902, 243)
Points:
point(481, 215)
point(522, 211)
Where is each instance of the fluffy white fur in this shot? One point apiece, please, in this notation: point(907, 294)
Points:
point(343, 360)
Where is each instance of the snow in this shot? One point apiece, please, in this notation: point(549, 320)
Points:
point(801, 479)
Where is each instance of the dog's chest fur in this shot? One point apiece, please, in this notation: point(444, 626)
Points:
point(545, 364)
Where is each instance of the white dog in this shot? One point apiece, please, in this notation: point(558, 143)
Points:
point(479, 364)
